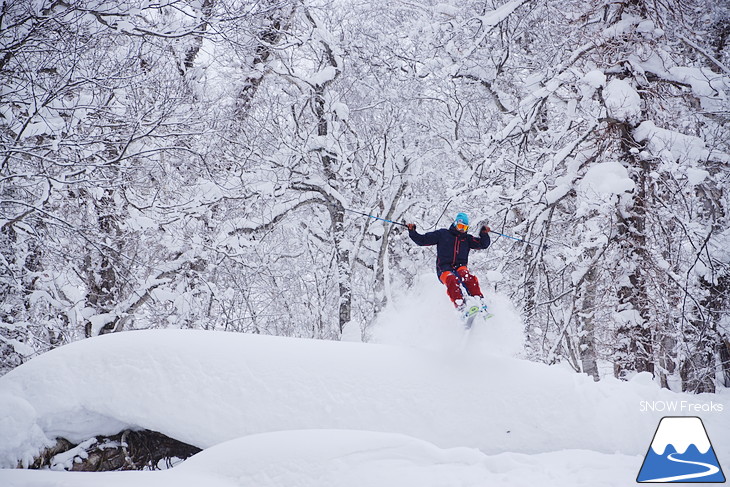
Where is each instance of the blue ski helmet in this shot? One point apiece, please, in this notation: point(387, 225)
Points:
point(461, 222)
point(461, 218)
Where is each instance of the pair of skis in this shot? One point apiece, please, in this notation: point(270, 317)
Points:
point(471, 311)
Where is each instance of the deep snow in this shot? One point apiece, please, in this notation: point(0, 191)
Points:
point(426, 405)
point(337, 458)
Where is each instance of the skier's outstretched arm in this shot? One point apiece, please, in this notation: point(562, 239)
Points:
point(483, 241)
point(430, 238)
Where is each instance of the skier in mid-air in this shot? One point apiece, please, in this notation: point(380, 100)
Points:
point(452, 256)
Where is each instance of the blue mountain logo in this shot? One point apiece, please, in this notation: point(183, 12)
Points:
point(681, 452)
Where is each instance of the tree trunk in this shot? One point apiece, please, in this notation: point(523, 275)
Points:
point(343, 268)
point(634, 334)
point(586, 325)
point(725, 361)
point(101, 263)
point(268, 37)
point(703, 342)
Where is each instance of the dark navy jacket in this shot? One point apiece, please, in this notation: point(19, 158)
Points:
point(452, 246)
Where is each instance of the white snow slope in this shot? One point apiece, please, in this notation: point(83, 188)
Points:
point(272, 411)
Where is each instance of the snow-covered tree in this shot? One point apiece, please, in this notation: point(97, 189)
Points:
point(201, 163)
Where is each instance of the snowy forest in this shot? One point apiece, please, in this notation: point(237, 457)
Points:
point(198, 164)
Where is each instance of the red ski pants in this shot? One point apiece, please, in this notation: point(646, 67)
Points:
point(453, 289)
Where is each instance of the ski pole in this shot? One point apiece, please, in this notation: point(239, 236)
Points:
point(518, 239)
point(375, 217)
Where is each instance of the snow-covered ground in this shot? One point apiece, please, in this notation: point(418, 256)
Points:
point(420, 405)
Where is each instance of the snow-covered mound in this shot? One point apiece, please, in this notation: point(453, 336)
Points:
point(423, 405)
point(336, 458)
point(205, 388)
point(357, 458)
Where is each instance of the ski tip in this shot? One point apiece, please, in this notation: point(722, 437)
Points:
point(471, 311)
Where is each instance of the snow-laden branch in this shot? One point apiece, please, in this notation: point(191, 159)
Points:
point(706, 54)
point(531, 104)
point(492, 19)
point(124, 311)
point(278, 213)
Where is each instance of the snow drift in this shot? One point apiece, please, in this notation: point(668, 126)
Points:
point(336, 458)
point(205, 388)
point(422, 405)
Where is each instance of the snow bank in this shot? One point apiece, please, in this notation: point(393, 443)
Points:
point(205, 388)
point(428, 405)
point(336, 458)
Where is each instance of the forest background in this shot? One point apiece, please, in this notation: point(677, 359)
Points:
point(191, 164)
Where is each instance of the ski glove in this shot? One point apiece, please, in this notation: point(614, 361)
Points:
point(484, 230)
point(411, 227)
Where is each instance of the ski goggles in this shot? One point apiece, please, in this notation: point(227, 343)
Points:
point(461, 226)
